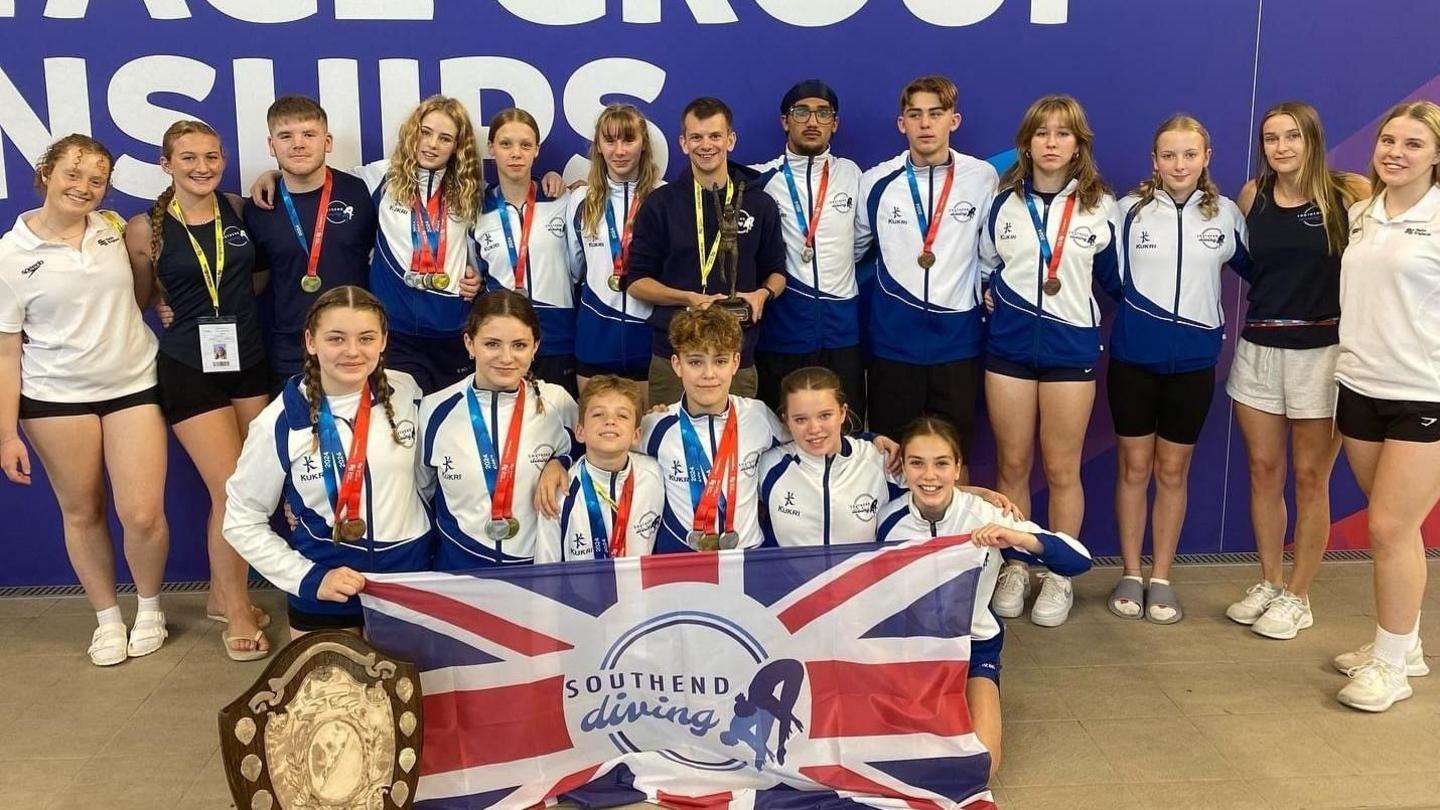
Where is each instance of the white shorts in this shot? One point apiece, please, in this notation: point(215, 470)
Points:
point(1295, 383)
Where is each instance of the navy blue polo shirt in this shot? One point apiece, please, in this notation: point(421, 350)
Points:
point(664, 248)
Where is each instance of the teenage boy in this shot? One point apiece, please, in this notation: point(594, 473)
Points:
point(613, 504)
point(709, 442)
point(676, 238)
point(320, 235)
point(817, 322)
point(920, 220)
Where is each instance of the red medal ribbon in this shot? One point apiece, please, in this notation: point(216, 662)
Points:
point(423, 260)
point(937, 213)
point(312, 270)
point(820, 207)
point(1054, 268)
point(726, 463)
point(625, 234)
point(503, 498)
point(347, 502)
point(622, 517)
point(522, 254)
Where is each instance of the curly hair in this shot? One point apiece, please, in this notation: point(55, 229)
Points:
point(83, 145)
point(705, 330)
point(463, 181)
point(356, 298)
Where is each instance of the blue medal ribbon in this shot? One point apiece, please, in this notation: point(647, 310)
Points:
point(599, 534)
point(1039, 230)
point(800, 216)
point(489, 459)
point(332, 453)
point(609, 225)
point(697, 465)
point(920, 217)
point(294, 217)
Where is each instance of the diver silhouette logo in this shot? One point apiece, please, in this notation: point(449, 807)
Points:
point(757, 709)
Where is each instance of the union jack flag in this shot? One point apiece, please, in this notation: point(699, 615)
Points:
point(814, 677)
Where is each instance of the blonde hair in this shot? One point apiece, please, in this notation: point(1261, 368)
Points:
point(158, 209)
point(463, 179)
point(1326, 188)
point(1425, 112)
point(1209, 193)
point(621, 121)
point(1089, 185)
point(603, 384)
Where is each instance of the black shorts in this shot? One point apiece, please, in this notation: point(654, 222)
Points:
point(41, 409)
point(558, 369)
point(1375, 420)
point(433, 362)
point(1171, 406)
point(900, 392)
point(1022, 371)
point(187, 392)
point(847, 363)
point(307, 622)
point(638, 371)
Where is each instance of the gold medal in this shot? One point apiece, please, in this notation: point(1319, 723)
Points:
point(614, 282)
point(439, 281)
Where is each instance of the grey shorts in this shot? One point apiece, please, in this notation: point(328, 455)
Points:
point(1294, 383)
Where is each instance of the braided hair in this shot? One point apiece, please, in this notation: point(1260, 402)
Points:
point(161, 206)
point(356, 298)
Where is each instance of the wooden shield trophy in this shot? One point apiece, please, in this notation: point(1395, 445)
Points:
point(332, 724)
point(728, 260)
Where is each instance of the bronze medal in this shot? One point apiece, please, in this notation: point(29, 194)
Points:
point(926, 260)
point(310, 284)
point(351, 529)
point(1051, 286)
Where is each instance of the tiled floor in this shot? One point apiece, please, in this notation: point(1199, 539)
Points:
point(1099, 713)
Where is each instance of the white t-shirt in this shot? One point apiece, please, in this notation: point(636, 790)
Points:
point(85, 340)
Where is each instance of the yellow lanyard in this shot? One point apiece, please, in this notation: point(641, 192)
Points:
point(707, 263)
point(212, 280)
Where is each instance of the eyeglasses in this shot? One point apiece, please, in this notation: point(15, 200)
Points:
point(802, 114)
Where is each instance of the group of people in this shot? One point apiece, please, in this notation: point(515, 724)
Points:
point(427, 371)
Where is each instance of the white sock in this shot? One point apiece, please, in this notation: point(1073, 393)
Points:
point(1159, 580)
point(1392, 647)
point(1415, 631)
point(148, 603)
point(110, 615)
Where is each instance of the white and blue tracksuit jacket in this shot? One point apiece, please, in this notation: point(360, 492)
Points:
point(662, 438)
point(611, 331)
point(916, 315)
point(281, 458)
point(571, 537)
point(1028, 326)
point(814, 500)
point(450, 468)
point(1170, 319)
point(820, 308)
point(416, 312)
point(1063, 554)
point(551, 273)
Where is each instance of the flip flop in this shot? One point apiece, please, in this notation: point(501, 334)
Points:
point(1128, 589)
point(1161, 595)
point(244, 655)
point(262, 619)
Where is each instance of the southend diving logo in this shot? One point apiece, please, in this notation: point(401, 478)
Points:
point(731, 710)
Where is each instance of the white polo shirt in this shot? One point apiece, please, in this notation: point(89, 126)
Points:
point(1389, 292)
point(85, 340)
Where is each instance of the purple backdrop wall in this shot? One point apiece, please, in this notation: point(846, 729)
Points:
point(124, 70)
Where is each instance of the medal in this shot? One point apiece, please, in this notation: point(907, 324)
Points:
point(705, 482)
point(429, 234)
point(439, 281)
point(499, 470)
point(811, 226)
point(702, 541)
point(929, 226)
point(500, 529)
point(310, 282)
point(522, 292)
point(730, 540)
point(345, 496)
point(519, 256)
point(607, 539)
point(412, 279)
point(1051, 284)
point(620, 242)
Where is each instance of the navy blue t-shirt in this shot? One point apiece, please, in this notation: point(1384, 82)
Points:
point(344, 258)
point(664, 248)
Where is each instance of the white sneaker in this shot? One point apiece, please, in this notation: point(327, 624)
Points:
point(1287, 615)
point(1052, 606)
point(1011, 589)
point(1375, 686)
point(1252, 607)
point(107, 645)
point(1415, 666)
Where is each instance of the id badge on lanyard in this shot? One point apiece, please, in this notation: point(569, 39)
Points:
point(219, 345)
